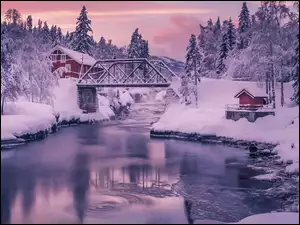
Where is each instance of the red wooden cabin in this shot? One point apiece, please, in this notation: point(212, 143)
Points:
point(72, 61)
point(251, 99)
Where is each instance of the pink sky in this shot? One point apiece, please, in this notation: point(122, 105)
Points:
point(166, 25)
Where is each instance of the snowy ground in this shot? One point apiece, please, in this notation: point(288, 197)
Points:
point(209, 118)
point(267, 218)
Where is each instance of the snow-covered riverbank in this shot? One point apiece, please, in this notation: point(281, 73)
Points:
point(209, 119)
point(23, 118)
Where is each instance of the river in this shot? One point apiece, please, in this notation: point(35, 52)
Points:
point(114, 173)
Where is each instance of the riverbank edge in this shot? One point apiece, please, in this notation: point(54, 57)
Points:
point(41, 134)
point(253, 146)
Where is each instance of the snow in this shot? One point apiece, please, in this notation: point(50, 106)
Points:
point(160, 96)
point(77, 56)
point(272, 218)
point(125, 98)
point(266, 218)
point(209, 119)
point(23, 117)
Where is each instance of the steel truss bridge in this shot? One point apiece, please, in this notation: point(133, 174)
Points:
point(138, 72)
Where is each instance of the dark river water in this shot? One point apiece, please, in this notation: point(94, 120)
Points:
point(117, 174)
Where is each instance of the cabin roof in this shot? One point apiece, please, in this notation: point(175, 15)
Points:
point(76, 56)
point(253, 93)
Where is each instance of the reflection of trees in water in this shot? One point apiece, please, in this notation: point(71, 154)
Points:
point(28, 186)
point(137, 146)
point(89, 135)
point(80, 177)
point(142, 179)
point(189, 164)
point(9, 189)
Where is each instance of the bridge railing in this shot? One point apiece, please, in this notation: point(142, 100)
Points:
point(128, 71)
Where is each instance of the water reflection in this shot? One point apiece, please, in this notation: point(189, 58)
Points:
point(98, 173)
point(80, 178)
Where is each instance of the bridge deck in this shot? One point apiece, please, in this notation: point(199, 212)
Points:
point(125, 85)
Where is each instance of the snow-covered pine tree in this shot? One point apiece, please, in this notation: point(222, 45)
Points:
point(29, 23)
point(223, 53)
point(145, 49)
point(40, 25)
point(231, 35)
point(13, 16)
point(134, 46)
point(46, 36)
point(217, 27)
point(210, 25)
point(81, 40)
point(59, 37)
point(192, 57)
point(192, 64)
point(244, 26)
point(244, 19)
point(53, 34)
point(101, 49)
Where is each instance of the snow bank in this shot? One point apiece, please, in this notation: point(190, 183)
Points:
point(266, 218)
point(209, 119)
point(125, 98)
point(24, 117)
point(160, 96)
point(65, 102)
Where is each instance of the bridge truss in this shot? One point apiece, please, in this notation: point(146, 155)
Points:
point(127, 73)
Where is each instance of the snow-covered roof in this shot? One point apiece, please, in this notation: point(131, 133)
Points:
point(253, 92)
point(77, 56)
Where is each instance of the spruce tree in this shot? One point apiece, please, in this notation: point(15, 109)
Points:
point(192, 57)
point(53, 34)
point(29, 23)
point(81, 40)
point(210, 25)
point(217, 27)
point(223, 53)
point(46, 35)
point(59, 37)
point(244, 19)
point(134, 46)
point(231, 35)
point(244, 26)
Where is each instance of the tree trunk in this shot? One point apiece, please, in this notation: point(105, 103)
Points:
point(2, 103)
point(282, 93)
point(273, 88)
point(269, 92)
point(267, 86)
point(196, 86)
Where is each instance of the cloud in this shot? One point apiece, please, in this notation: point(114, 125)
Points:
point(121, 8)
point(175, 37)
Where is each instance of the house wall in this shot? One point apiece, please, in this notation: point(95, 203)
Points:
point(75, 66)
point(259, 101)
point(245, 99)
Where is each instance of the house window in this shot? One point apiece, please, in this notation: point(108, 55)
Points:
point(63, 58)
point(68, 67)
point(53, 58)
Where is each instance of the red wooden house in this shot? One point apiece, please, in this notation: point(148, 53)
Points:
point(253, 97)
point(253, 103)
point(75, 63)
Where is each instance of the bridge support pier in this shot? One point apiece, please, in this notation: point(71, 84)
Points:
point(87, 99)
